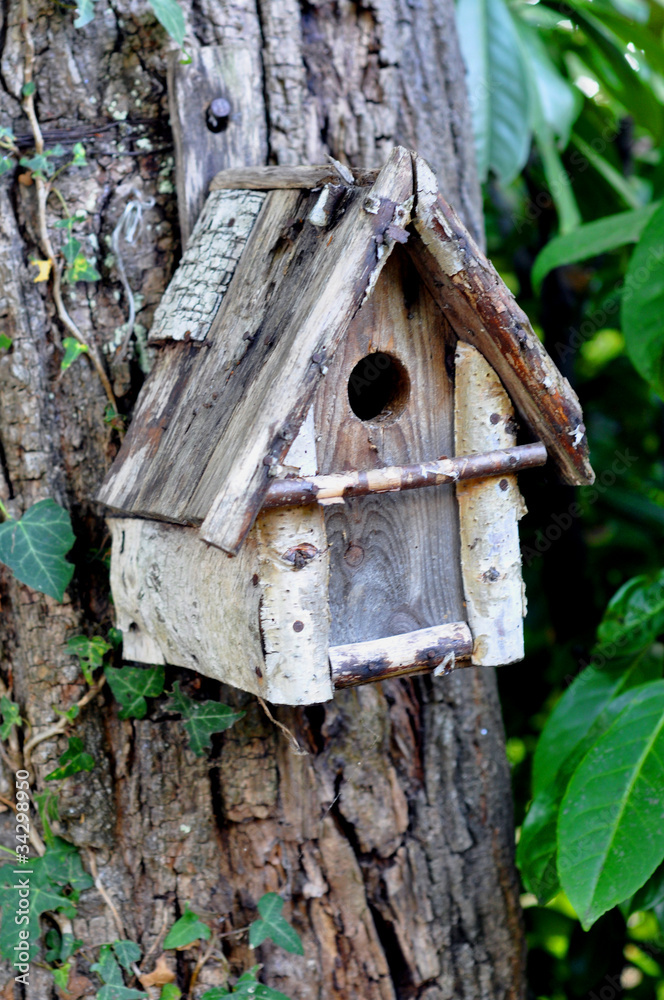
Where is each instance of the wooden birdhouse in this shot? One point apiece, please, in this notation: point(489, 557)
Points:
point(318, 485)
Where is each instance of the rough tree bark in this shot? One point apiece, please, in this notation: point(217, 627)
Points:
point(391, 839)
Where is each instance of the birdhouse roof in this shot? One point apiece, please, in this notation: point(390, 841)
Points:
point(278, 265)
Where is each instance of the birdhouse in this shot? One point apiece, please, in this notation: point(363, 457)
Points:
point(318, 487)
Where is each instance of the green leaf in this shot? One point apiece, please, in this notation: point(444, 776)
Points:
point(6, 164)
point(82, 270)
point(79, 159)
point(132, 685)
point(73, 348)
point(633, 619)
point(70, 253)
point(35, 546)
point(47, 807)
point(611, 825)
point(62, 864)
point(5, 342)
point(186, 930)
point(43, 896)
point(202, 718)
point(273, 925)
point(61, 976)
point(73, 760)
point(85, 12)
point(216, 993)
point(107, 967)
point(90, 653)
point(170, 992)
point(497, 87)
point(113, 992)
point(591, 240)
point(643, 304)
point(617, 181)
point(246, 988)
point(579, 709)
point(10, 716)
point(127, 953)
point(170, 16)
point(28, 88)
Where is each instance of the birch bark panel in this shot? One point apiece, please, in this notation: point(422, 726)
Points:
point(394, 557)
point(193, 297)
point(489, 514)
point(232, 72)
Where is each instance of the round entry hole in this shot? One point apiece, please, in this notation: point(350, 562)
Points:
point(378, 387)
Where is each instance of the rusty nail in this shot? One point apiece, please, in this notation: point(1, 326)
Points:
point(503, 484)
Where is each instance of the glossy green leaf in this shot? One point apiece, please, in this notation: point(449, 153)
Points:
point(127, 953)
point(28, 88)
point(90, 653)
point(497, 84)
point(73, 349)
point(61, 976)
point(81, 269)
point(201, 718)
point(186, 930)
point(273, 925)
point(34, 548)
point(642, 304)
point(5, 342)
point(591, 240)
point(132, 685)
point(70, 252)
point(43, 896)
point(581, 706)
point(63, 866)
point(107, 967)
point(633, 619)
point(537, 847)
point(611, 824)
point(170, 16)
point(11, 716)
point(6, 164)
point(73, 760)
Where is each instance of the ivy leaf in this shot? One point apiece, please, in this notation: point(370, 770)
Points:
point(73, 348)
point(79, 159)
point(73, 760)
point(61, 976)
point(35, 546)
point(10, 716)
point(82, 270)
point(44, 269)
point(247, 987)
point(6, 164)
point(90, 653)
point(642, 304)
point(70, 251)
point(497, 87)
point(273, 925)
point(62, 864)
point(611, 805)
point(170, 16)
point(132, 685)
point(112, 992)
point(28, 88)
point(186, 930)
point(47, 807)
point(43, 896)
point(107, 967)
point(202, 718)
point(5, 342)
point(170, 991)
point(127, 953)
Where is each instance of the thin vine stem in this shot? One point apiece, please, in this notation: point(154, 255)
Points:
point(43, 190)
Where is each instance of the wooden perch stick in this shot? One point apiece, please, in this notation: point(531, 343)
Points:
point(413, 652)
point(334, 488)
point(271, 178)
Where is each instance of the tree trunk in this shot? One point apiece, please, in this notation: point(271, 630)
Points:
point(391, 838)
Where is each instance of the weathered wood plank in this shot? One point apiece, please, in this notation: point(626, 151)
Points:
point(204, 273)
point(396, 479)
point(439, 649)
point(394, 557)
point(294, 568)
point(232, 73)
point(489, 514)
point(269, 178)
point(485, 314)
